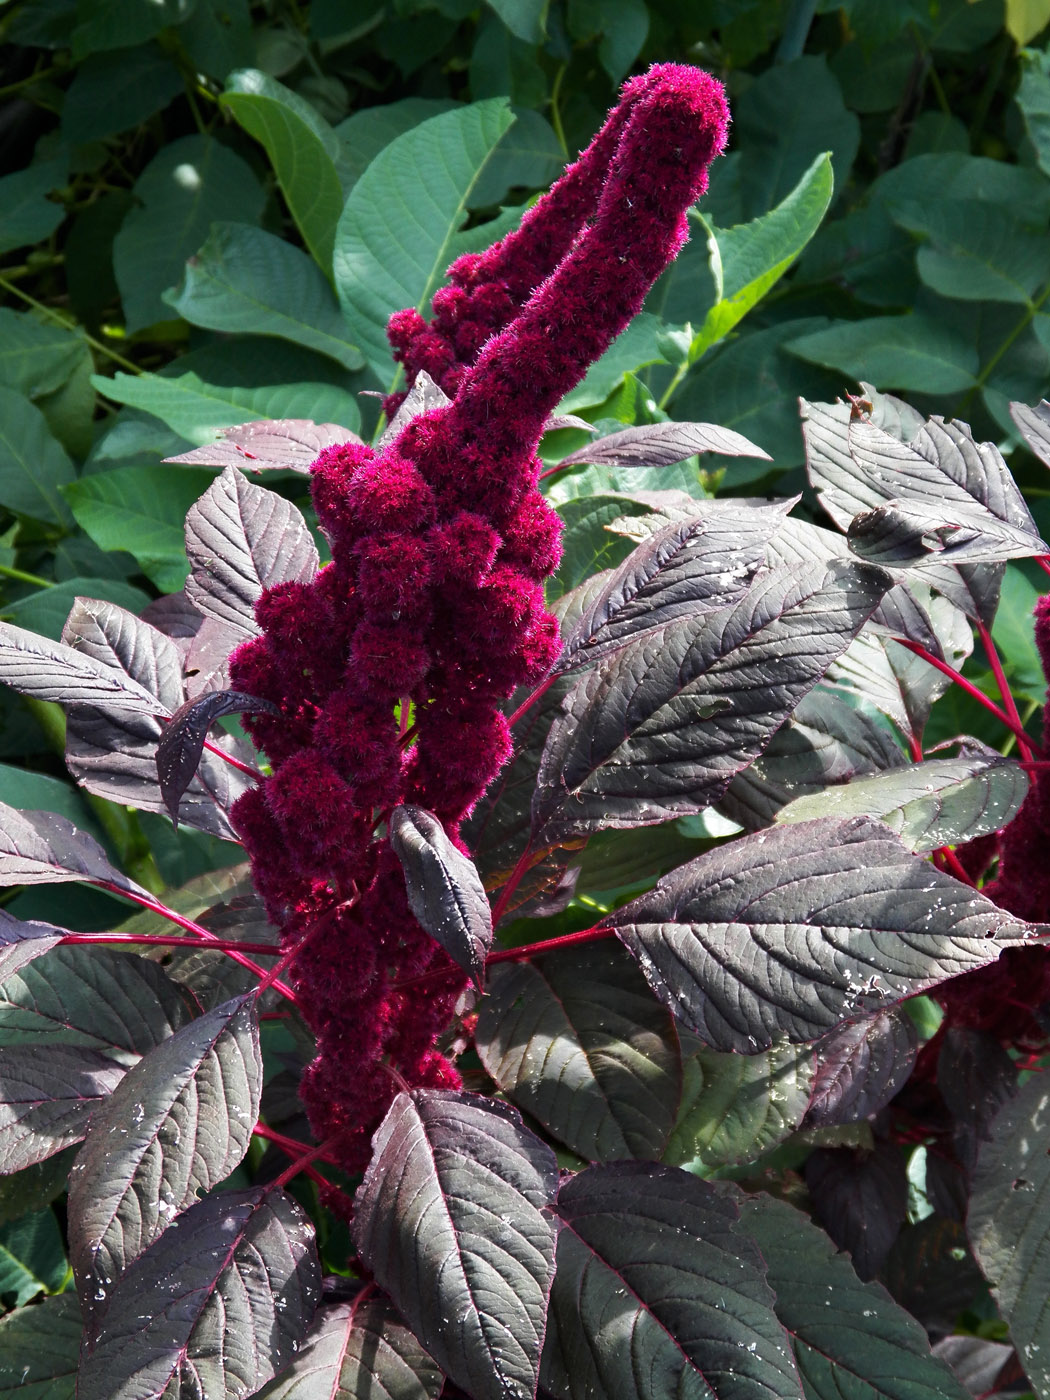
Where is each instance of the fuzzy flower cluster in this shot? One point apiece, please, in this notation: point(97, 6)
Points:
point(390, 668)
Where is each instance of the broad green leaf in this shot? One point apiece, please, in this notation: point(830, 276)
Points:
point(398, 231)
point(173, 1129)
point(84, 996)
point(975, 251)
point(849, 1338)
point(46, 610)
point(756, 255)
point(357, 1349)
point(303, 150)
point(660, 728)
point(36, 357)
point(39, 792)
point(782, 121)
point(528, 156)
point(787, 932)
point(580, 1043)
point(32, 1257)
point(453, 1220)
point(190, 184)
point(141, 509)
point(218, 1303)
point(26, 214)
point(660, 1294)
point(33, 464)
point(40, 1350)
point(194, 408)
point(736, 1107)
point(526, 19)
point(244, 279)
point(1033, 95)
point(914, 352)
point(937, 803)
point(113, 91)
point(364, 133)
point(588, 545)
point(116, 24)
point(1008, 1225)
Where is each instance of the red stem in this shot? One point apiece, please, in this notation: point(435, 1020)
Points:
point(527, 704)
point(968, 686)
point(233, 762)
point(954, 866)
point(220, 945)
point(1043, 560)
point(1009, 704)
point(550, 945)
point(507, 893)
point(293, 1146)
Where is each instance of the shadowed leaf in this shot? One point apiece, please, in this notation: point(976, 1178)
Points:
point(47, 1098)
point(40, 848)
point(40, 1349)
point(859, 1068)
point(21, 941)
point(182, 743)
point(903, 533)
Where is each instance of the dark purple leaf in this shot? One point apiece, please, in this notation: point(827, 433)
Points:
point(662, 444)
point(567, 420)
point(211, 976)
point(272, 444)
point(790, 931)
point(1034, 424)
point(902, 533)
point(444, 888)
point(217, 1304)
point(240, 539)
point(938, 802)
point(660, 728)
point(114, 754)
point(453, 1220)
point(578, 1041)
point(421, 398)
point(825, 743)
point(175, 1127)
point(40, 848)
point(931, 1272)
point(978, 1364)
point(21, 941)
point(94, 997)
point(47, 1098)
point(358, 1349)
point(660, 1293)
point(821, 1301)
point(174, 615)
point(735, 1108)
point(208, 654)
point(182, 743)
point(860, 1066)
point(47, 670)
point(976, 1077)
point(701, 564)
point(861, 1199)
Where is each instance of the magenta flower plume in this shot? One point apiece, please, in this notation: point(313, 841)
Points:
point(390, 669)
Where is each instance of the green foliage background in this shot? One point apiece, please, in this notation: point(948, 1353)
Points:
point(215, 205)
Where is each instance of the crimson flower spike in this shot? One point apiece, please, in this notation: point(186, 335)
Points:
point(434, 597)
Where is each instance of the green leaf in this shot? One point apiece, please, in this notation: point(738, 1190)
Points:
point(849, 1338)
point(659, 1293)
point(194, 408)
point(580, 1043)
point(115, 91)
point(46, 610)
point(244, 279)
point(355, 1350)
point(222, 1298)
point(1033, 97)
point(736, 1107)
point(528, 155)
point(174, 1128)
point(588, 544)
point(756, 255)
point(116, 24)
point(303, 150)
point(32, 1257)
point(364, 134)
point(913, 352)
point(26, 214)
point(397, 233)
point(782, 121)
point(33, 464)
point(976, 251)
point(38, 792)
point(141, 509)
point(526, 19)
point(40, 1350)
point(936, 803)
point(189, 185)
point(36, 357)
point(1008, 1225)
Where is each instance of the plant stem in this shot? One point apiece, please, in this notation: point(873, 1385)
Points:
point(556, 121)
point(1009, 704)
point(537, 694)
point(550, 945)
point(57, 316)
point(37, 77)
point(292, 1146)
point(954, 866)
point(507, 893)
point(966, 685)
point(20, 576)
point(233, 762)
point(164, 940)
